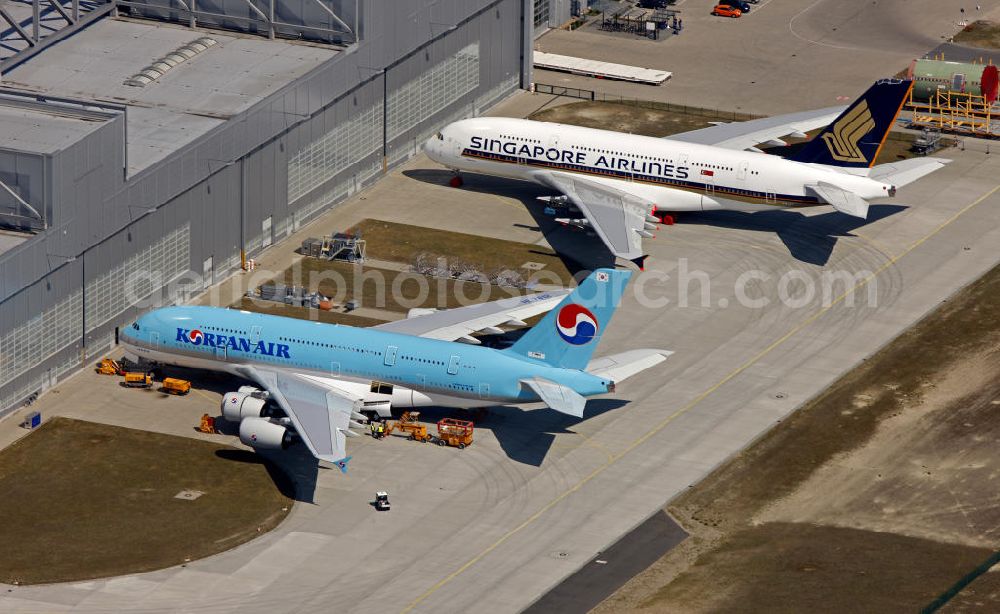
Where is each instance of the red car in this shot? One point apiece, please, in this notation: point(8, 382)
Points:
point(724, 10)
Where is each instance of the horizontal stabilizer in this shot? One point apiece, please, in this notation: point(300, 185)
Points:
point(558, 397)
point(906, 171)
point(842, 200)
point(619, 367)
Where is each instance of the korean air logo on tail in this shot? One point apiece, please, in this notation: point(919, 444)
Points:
point(842, 139)
point(576, 324)
point(196, 337)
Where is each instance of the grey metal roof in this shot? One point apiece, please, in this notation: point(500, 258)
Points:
point(41, 129)
point(9, 240)
point(187, 101)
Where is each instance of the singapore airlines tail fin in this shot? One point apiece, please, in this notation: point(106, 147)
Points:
point(854, 139)
point(567, 336)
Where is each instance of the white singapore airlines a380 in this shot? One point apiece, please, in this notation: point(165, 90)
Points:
point(621, 183)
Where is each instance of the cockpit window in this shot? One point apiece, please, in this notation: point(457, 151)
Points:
point(440, 136)
point(135, 325)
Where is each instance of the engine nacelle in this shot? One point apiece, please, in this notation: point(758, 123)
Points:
point(264, 434)
point(257, 393)
point(237, 406)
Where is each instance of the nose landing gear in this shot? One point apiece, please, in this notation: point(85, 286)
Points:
point(456, 181)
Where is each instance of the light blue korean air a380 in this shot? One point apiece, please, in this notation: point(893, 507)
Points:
point(326, 377)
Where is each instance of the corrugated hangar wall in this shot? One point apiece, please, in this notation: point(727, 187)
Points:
point(121, 245)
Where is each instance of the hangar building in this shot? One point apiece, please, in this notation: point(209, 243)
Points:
point(146, 146)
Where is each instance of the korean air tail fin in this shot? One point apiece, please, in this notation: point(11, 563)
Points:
point(854, 139)
point(568, 335)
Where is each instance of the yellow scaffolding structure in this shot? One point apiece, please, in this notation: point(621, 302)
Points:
point(955, 112)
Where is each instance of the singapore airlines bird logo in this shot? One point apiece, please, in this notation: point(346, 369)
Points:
point(576, 324)
point(842, 140)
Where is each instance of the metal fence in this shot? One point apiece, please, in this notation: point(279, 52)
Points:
point(570, 92)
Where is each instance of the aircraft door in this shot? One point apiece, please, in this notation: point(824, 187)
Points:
point(742, 170)
point(221, 353)
point(334, 368)
point(254, 335)
point(154, 338)
point(553, 144)
point(484, 390)
point(453, 365)
point(390, 355)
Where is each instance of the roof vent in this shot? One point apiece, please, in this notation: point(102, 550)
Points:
point(158, 68)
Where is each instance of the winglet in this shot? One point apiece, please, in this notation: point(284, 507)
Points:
point(342, 463)
point(641, 261)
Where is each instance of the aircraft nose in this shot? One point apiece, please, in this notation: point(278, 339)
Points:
point(433, 148)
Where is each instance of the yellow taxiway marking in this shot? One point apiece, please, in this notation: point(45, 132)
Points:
point(693, 403)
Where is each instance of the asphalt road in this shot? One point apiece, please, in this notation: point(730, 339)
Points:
point(783, 56)
point(612, 568)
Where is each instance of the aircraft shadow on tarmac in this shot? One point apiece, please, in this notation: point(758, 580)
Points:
point(809, 239)
point(293, 471)
point(525, 435)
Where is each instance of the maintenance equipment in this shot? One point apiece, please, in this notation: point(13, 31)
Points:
point(927, 143)
point(954, 98)
point(455, 433)
point(172, 385)
point(382, 501)
point(409, 422)
point(108, 366)
point(136, 379)
point(350, 248)
point(207, 424)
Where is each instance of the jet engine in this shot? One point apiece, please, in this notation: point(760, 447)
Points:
point(264, 434)
point(237, 406)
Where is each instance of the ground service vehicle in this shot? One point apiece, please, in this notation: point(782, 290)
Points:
point(408, 423)
point(138, 380)
point(108, 366)
point(455, 433)
point(172, 385)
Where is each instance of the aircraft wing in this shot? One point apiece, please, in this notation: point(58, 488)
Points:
point(320, 414)
point(619, 218)
point(458, 324)
point(767, 130)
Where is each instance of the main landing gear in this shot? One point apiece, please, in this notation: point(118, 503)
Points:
point(456, 181)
